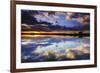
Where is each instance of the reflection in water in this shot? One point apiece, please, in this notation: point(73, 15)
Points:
point(54, 48)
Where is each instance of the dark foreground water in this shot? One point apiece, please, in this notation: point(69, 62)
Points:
point(54, 48)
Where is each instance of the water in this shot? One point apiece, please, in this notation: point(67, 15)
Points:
point(54, 48)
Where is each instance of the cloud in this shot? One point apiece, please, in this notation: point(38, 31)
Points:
point(26, 57)
point(45, 14)
point(60, 13)
point(54, 17)
point(38, 17)
point(83, 19)
point(69, 15)
point(26, 26)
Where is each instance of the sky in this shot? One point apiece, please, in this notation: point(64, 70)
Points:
point(67, 19)
point(63, 19)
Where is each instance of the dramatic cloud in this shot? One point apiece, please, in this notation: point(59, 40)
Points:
point(83, 19)
point(45, 16)
point(63, 19)
point(69, 15)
